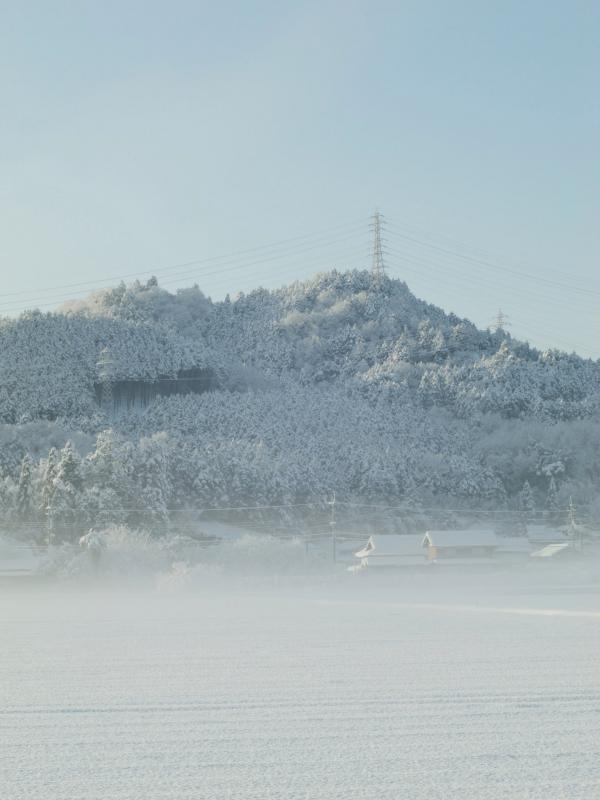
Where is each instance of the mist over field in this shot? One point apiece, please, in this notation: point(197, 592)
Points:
point(258, 668)
point(355, 688)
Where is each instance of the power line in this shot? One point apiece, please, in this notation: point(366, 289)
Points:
point(269, 259)
point(324, 505)
point(196, 273)
point(461, 245)
point(487, 281)
point(296, 248)
point(290, 269)
point(159, 270)
point(432, 264)
point(436, 282)
point(493, 265)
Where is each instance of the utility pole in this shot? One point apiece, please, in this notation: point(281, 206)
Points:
point(575, 534)
point(332, 524)
point(49, 526)
point(377, 267)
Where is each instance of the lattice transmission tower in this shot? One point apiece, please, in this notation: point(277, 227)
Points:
point(377, 267)
point(500, 321)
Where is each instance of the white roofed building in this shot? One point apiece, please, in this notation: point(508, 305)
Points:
point(460, 546)
point(391, 550)
point(513, 548)
point(557, 550)
point(540, 535)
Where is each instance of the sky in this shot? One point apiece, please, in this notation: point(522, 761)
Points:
point(252, 141)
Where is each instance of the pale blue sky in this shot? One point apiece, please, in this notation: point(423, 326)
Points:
point(137, 135)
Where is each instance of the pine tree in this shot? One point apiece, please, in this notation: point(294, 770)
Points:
point(154, 485)
point(411, 499)
point(48, 475)
point(526, 502)
point(65, 506)
point(8, 492)
point(24, 504)
point(68, 469)
point(552, 499)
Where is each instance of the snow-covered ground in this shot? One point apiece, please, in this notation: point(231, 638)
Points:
point(358, 689)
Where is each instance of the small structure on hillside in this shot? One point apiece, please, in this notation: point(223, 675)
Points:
point(116, 394)
point(391, 550)
point(476, 546)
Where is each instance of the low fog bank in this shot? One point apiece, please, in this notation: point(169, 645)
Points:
point(121, 556)
point(124, 561)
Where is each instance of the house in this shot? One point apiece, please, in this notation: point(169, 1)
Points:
point(513, 548)
point(558, 550)
point(391, 550)
point(541, 535)
point(460, 546)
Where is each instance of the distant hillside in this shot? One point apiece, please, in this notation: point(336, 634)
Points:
point(336, 327)
point(338, 383)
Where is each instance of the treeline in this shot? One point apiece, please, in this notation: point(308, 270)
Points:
point(288, 447)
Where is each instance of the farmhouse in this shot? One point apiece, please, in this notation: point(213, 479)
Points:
point(392, 551)
point(541, 535)
point(513, 548)
point(558, 550)
point(460, 546)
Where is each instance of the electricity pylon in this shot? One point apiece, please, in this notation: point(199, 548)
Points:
point(377, 267)
point(500, 321)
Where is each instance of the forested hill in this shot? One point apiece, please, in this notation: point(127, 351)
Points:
point(337, 327)
point(343, 381)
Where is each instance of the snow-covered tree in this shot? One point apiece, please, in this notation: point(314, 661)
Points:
point(65, 504)
point(527, 502)
point(153, 484)
point(24, 500)
point(49, 468)
point(323, 384)
point(552, 506)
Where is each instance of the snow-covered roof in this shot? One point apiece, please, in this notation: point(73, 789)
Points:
point(513, 544)
point(476, 537)
point(392, 545)
point(551, 550)
point(462, 561)
point(545, 533)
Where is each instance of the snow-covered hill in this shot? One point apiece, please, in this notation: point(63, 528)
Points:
point(335, 384)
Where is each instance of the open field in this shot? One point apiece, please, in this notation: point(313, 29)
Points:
point(352, 691)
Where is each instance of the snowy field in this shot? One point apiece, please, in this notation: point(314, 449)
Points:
point(353, 690)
